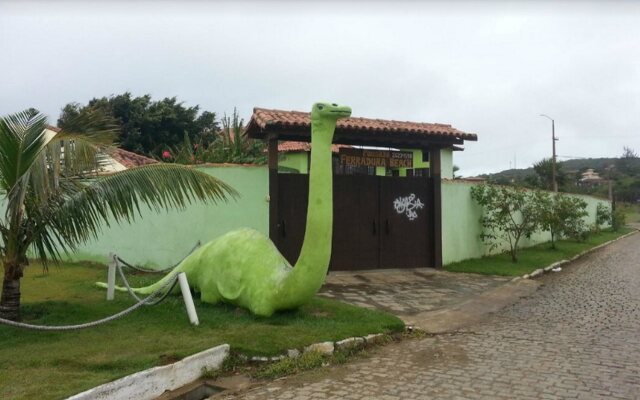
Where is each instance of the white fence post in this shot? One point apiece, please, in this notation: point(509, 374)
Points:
point(188, 300)
point(111, 276)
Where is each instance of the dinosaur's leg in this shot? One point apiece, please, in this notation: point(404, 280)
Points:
point(262, 308)
point(210, 296)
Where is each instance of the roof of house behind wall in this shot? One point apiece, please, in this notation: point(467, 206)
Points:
point(300, 122)
point(130, 159)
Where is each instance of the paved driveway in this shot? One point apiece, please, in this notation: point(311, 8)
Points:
point(578, 336)
point(407, 292)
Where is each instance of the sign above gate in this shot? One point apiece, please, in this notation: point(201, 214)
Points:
point(376, 158)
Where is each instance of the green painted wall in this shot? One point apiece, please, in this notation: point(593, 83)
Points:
point(446, 163)
point(417, 161)
point(298, 161)
point(461, 223)
point(161, 239)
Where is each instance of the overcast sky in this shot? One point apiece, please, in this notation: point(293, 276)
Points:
point(489, 69)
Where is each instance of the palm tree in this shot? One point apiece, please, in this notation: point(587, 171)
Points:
point(51, 206)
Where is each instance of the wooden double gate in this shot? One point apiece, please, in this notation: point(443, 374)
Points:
point(378, 221)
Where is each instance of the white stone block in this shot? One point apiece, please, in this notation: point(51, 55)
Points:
point(293, 353)
point(322, 348)
point(350, 343)
point(374, 338)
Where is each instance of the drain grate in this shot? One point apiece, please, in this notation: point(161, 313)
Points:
point(201, 391)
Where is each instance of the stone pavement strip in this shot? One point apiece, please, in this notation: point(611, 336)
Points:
point(577, 336)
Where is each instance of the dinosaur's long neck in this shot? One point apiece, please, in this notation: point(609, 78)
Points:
point(311, 268)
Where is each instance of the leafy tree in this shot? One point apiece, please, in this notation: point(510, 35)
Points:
point(52, 209)
point(230, 145)
point(627, 163)
point(510, 213)
point(603, 215)
point(618, 219)
point(561, 215)
point(235, 146)
point(627, 189)
point(628, 152)
point(456, 169)
point(146, 126)
point(544, 172)
point(500, 180)
point(627, 176)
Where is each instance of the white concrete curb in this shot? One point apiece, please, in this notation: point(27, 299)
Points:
point(542, 271)
point(151, 383)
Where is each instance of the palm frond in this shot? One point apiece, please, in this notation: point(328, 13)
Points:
point(52, 210)
point(120, 196)
point(91, 127)
point(82, 145)
point(22, 138)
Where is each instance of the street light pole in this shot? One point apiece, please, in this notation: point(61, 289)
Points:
point(609, 168)
point(553, 159)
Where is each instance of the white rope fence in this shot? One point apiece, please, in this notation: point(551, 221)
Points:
point(156, 271)
point(113, 317)
point(117, 263)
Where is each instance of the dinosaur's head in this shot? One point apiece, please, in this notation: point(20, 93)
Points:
point(332, 111)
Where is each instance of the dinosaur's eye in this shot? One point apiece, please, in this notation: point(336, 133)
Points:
point(320, 107)
point(334, 104)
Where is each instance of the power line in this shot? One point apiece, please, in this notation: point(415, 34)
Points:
point(510, 147)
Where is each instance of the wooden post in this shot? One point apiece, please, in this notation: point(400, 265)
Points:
point(111, 276)
point(436, 179)
point(273, 189)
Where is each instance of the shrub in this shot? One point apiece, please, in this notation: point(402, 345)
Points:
point(617, 219)
point(510, 213)
point(603, 216)
point(563, 215)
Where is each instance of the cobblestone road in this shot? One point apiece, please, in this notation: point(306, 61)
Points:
point(578, 336)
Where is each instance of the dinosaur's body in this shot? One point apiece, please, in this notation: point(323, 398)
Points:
point(245, 268)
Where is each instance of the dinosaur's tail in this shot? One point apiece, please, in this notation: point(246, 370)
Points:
point(146, 290)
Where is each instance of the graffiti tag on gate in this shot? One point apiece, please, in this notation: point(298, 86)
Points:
point(408, 205)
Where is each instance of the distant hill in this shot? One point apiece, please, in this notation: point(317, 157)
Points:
point(568, 166)
point(625, 177)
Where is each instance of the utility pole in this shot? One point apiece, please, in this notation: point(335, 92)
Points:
point(553, 159)
point(610, 183)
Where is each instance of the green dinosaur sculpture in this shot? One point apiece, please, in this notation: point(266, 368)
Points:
point(244, 267)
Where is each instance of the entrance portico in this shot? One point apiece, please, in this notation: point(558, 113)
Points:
point(379, 221)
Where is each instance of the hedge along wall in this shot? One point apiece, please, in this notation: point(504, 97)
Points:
point(461, 226)
point(162, 239)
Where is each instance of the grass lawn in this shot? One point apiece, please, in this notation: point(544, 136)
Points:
point(531, 258)
point(631, 211)
point(53, 365)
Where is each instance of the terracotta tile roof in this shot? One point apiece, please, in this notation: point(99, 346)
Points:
point(289, 146)
point(127, 158)
point(130, 159)
point(264, 118)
